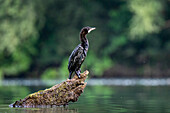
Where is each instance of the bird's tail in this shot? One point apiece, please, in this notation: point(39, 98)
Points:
point(70, 74)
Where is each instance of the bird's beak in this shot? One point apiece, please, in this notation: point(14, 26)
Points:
point(91, 29)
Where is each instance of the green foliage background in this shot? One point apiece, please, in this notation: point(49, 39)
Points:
point(37, 37)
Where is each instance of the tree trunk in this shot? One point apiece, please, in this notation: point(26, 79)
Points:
point(59, 94)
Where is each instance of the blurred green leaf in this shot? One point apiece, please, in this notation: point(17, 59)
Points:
point(147, 17)
point(49, 73)
point(98, 66)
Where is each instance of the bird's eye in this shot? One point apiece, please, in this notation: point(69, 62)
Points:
point(86, 30)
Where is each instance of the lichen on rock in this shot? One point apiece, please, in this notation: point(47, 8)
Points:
point(57, 95)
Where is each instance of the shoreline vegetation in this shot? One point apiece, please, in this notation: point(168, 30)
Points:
point(131, 38)
point(121, 71)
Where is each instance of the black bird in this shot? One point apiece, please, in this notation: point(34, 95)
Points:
point(79, 54)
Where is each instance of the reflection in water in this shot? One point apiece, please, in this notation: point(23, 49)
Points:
point(48, 110)
point(6, 109)
point(96, 98)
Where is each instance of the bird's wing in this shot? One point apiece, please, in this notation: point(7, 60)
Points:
point(75, 56)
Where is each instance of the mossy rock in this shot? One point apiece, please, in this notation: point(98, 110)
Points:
point(57, 95)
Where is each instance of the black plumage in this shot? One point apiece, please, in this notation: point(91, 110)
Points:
point(79, 54)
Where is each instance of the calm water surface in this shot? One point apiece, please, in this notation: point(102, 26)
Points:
point(97, 99)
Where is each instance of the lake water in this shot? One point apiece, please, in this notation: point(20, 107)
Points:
point(100, 96)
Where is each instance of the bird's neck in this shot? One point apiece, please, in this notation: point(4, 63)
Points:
point(84, 41)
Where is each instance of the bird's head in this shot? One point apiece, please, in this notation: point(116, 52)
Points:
point(86, 30)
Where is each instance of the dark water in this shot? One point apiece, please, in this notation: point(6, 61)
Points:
point(97, 99)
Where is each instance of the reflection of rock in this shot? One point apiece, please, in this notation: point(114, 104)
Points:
point(50, 110)
point(60, 94)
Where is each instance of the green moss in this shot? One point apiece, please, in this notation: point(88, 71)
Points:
point(59, 94)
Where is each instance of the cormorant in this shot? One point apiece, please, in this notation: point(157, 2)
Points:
point(79, 54)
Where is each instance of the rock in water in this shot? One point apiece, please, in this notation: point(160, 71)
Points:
point(60, 94)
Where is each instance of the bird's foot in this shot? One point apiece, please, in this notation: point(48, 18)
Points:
point(68, 80)
point(79, 76)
